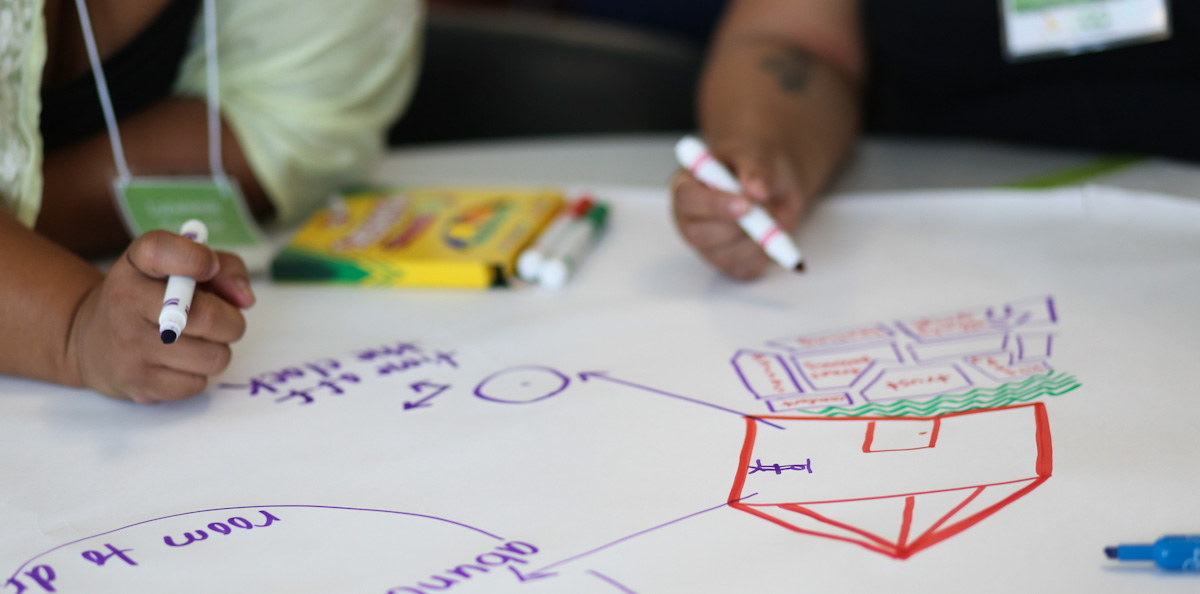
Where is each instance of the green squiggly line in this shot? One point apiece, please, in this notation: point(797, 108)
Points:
point(1003, 395)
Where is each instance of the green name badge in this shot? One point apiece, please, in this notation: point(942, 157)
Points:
point(1036, 29)
point(148, 203)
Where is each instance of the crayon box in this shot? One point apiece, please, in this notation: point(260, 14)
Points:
point(423, 237)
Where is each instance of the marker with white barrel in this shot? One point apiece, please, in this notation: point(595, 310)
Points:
point(694, 156)
point(571, 249)
point(529, 263)
point(177, 300)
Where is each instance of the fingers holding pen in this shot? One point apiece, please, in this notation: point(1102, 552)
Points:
point(692, 200)
point(707, 220)
point(159, 254)
point(752, 186)
point(214, 319)
point(769, 179)
point(117, 327)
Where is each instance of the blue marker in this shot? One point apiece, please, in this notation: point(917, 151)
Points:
point(1170, 552)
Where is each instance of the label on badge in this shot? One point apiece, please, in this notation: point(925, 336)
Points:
point(148, 203)
point(1045, 28)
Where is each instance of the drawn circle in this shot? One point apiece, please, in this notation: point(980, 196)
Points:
point(522, 385)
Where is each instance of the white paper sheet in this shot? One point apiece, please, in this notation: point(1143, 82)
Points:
point(967, 391)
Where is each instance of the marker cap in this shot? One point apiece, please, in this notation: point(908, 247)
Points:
point(693, 155)
point(554, 274)
point(171, 320)
point(195, 230)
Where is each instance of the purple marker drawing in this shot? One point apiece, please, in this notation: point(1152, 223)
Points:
point(842, 337)
point(509, 555)
point(765, 374)
point(916, 382)
point(954, 360)
point(968, 322)
point(841, 369)
point(611, 582)
point(235, 522)
point(800, 402)
point(543, 572)
point(177, 300)
point(522, 385)
point(1005, 369)
point(595, 375)
point(302, 383)
point(987, 344)
point(1033, 346)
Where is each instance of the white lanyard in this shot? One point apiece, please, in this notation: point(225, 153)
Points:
point(214, 111)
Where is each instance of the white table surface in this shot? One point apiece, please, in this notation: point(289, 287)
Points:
point(877, 164)
point(621, 480)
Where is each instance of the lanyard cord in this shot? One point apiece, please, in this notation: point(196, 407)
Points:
point(110, 119)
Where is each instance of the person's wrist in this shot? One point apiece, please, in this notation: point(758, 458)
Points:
point(72, 372)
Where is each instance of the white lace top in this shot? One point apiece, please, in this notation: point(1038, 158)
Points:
point(22, 56)
point(308, 86)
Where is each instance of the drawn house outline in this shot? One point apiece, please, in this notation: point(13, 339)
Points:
point(979, 500)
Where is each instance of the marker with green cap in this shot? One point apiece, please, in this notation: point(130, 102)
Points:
point(572, 247)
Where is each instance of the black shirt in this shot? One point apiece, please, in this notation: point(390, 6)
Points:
point(937, 67)
point(139, 74)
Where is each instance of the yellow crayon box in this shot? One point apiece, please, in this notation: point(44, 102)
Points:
point(422, 237)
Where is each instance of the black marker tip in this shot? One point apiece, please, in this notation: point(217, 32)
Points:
point(168, 336)
point(1110, 552)
point(799, 267)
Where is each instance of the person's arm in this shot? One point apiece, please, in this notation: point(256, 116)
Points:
point(168, 138)
point(779, 104)
point(310, 89)
point(64, 322)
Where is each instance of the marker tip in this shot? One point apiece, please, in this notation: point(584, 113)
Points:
point(168, 336)
point(799, 267)
point(1110, 552)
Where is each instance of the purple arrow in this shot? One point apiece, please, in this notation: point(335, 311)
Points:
point(590, 375)
point(536, 574)
point(423, 402)
point(545, 573)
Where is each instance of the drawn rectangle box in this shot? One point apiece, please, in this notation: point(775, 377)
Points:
point(766, 375)
point(788, 402)
point(841, 338)
point(990, 344)
point(1034, 346)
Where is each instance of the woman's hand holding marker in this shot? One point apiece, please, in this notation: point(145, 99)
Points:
point(177, 300)
point(115, 339)
point(725, 218)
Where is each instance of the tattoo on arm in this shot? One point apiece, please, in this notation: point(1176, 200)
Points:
point(791, 68)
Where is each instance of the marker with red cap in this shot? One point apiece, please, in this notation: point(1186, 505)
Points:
point(693, 155)
point(530, 261)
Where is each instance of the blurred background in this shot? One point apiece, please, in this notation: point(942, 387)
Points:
point(526, 68)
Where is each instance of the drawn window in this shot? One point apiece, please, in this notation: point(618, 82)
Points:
point(901, 435)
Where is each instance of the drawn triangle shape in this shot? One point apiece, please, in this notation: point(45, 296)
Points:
point(898, 526)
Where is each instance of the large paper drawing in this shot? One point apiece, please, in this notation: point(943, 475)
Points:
point(887, 438)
